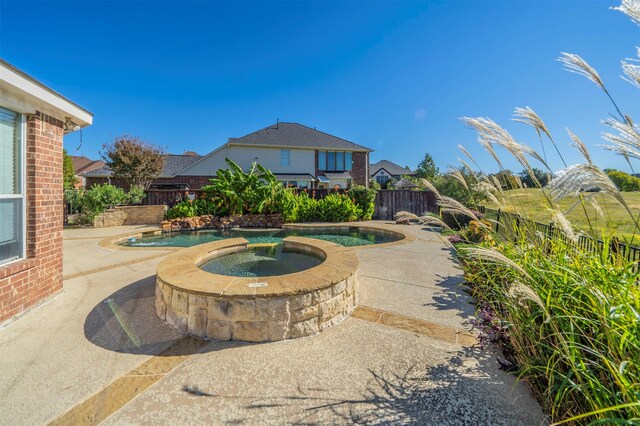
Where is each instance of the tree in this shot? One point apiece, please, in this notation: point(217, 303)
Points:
point(542, 177)
point(133, 160)
point(507, 180)
point(68, 171)
point(427, 168)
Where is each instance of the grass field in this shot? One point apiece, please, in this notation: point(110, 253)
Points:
point(531, 204)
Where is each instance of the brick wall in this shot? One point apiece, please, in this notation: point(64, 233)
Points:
point(25, 283)
point(359, 172)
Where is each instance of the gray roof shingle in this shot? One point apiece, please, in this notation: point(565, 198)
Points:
point(391, 168)
point(296, 135)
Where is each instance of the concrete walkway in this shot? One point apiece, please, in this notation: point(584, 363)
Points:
point(103, 327)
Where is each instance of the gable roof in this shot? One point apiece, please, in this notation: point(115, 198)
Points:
point(82, 164)
point(295, 135)
point(172, 165)
point(391, 168)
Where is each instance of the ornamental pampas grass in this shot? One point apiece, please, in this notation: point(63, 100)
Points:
point(493, 256)
point(580, 146)
point(575, 180)
point(631, 8)
point(627, 141)
point(574, 63)
point(528, 116)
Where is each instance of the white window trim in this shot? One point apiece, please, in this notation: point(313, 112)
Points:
point(23, 190)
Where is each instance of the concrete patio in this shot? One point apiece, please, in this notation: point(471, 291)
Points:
point(97, 352)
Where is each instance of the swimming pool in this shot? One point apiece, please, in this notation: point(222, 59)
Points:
point(347, 236)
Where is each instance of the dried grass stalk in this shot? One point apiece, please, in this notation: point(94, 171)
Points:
point(574, 63)
point(580, 146)
point(631, 8)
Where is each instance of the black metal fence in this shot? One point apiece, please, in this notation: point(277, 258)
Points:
point(509, 224)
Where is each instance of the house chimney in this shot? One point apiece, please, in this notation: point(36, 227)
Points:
point(277, 123)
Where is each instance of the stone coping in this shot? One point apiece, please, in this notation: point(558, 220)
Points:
point(114, 242)
point(181, 270)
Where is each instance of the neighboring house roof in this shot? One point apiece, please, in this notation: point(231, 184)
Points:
point(404, 183)
point(172, 165)
point(391, 168)
point(82, 164)
point(295, 135)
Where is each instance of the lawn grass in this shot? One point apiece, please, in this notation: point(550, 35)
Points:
point(531, 204)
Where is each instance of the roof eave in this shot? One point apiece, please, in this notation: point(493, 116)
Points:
point(27, 95)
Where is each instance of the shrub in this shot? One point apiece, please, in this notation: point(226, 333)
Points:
point(73, 197)
point(477, 232)
point(99, 198)
point(182, 209)
point(365, 200)
point(135, 195)
point(337, 208)
point(458, 220)
point(624, 181)
point(287, 203)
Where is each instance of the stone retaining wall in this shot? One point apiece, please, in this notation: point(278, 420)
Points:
point(256, 319)
point(130, 215)
point(231, 308)
point(222, 222)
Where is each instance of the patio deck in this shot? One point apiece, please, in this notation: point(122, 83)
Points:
point(98, 352)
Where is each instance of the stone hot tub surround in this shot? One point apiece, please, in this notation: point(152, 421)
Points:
point(256, 309)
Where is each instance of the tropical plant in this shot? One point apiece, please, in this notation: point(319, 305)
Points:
point(183, 209)
point(235, 192)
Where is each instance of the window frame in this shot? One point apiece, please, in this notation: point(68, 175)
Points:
point(342, 161)
point(22, 196)
point(287, 158)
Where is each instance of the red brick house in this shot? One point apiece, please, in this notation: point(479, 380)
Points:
point(82, 164)
point(33, 122)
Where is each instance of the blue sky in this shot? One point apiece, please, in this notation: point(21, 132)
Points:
point(393, 76)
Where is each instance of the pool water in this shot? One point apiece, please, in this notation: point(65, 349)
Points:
point(261, 262)
point(346, 236)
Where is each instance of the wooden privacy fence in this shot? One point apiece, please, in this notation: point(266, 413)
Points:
point(387, 203)
point(507, 223)
point(391, 201)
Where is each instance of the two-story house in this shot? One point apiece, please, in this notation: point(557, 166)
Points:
point(298, 155)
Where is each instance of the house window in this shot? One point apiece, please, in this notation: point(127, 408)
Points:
point(331, 161)
point(382, 179)
point(11, 187)
point(285, 157)
point(334, 161)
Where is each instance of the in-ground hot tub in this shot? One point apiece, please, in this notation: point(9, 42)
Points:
point(256, 309)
